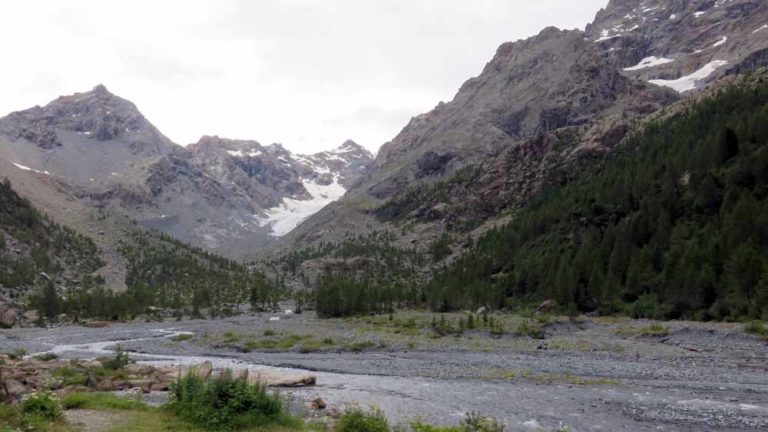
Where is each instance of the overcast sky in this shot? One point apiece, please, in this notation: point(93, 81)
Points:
point(305, 73)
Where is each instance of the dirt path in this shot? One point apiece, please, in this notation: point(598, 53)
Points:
point(94, 421)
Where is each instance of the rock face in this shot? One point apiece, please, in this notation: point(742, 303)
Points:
point(539, 109)
point(229, 196)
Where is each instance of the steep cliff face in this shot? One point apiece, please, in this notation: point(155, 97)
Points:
point(540, 109)
point(554, 80)
point(683, 44)
point(225, 195)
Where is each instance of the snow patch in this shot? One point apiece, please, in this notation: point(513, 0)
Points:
point(698, 14)
point(606, 35)
point(26, 168)
point(291, 212)
point(649, 62)
point(689, 82)
point(720, 42)
point(764, 27)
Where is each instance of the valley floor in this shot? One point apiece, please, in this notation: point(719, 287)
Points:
point(590, 374)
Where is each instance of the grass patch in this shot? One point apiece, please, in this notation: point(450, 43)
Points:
point(182, 337)
point(46, 357)
point(357, 420)
point(756, 328)
point(12, 418)
point(283, 343)
point(17, 354)
point(529, 328)
point(101, 401)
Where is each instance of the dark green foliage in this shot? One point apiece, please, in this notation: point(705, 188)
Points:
point(119, 361)
point(165, 272)
point(43, 404)
point(672, 225)
point(225, 404)
point(42, 246)
point(339, 296)
point(357, 420)
point(441, 247)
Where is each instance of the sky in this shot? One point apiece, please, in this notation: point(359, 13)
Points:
point(305, 73)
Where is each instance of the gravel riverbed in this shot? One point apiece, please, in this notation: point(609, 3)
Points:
point(588, 374)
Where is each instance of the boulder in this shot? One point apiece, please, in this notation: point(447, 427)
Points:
point(281, 379)
point(8, 315)
point(139, 369)
point(545, 306)
point(16, 389)
point(172, 372)
point(241, 375)
point(31, 315)
point(316, 404)
point(203, 370)
point(144, 384)
point(105, 385)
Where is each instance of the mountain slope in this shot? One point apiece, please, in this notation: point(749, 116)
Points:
point(37, 254)
point(225, 195)
point(673, 225)
point(539, 112)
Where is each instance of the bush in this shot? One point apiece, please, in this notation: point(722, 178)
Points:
point(526, 327)
point(356, 420)
point(225, 404)
point(119, 361)
point(45, 405)
point(17, 354)
point(476, 423)
point(46, 357)
point(756, 328)
point(472, 423)
point(656, 330)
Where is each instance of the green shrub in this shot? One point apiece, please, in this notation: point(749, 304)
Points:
point(646, 306)
point(46, 357)
point(269, 332)
point(225, 404)
point(477, 423)
point(418, 426)
point(118, 362)
point(656, 330)
point(756, 328)
point(528, 328)
point(17, 354)
point(44, 404)
point(356, 420)
point(182, 337)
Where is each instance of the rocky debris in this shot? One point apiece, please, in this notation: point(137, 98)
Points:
point(545, 306)
point(8, 315)
point(316, 404)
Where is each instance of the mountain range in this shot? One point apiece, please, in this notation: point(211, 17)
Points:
point(540, 111)
point(229, 196)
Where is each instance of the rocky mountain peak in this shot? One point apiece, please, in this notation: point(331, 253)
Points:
point(94, 115)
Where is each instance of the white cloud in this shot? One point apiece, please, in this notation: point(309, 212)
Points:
point(307, 73)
